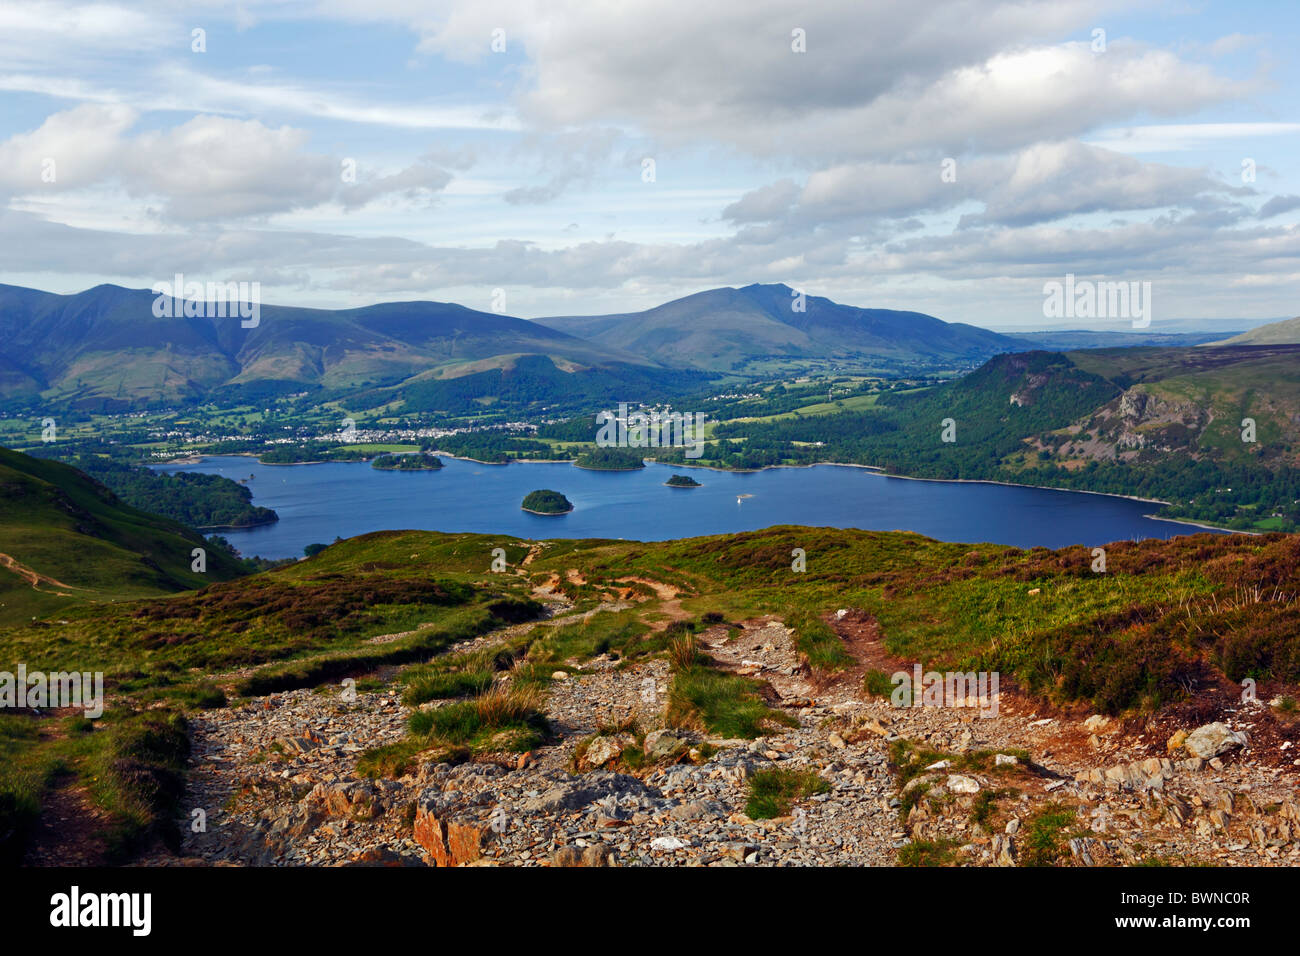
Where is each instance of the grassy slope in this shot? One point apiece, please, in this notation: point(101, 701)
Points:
point(1201, 605)
point(1285, 332)
point(59, 523)
point(1221, 605)
point(1228, 384)
point(1165, 614)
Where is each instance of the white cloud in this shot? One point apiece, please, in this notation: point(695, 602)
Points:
point(1182, 137)
point(83, 144)
point(210, 168)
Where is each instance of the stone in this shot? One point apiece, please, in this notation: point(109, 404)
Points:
point(1004, 760)
point(666, 843)
point(603, 749)
point(449, 841)
point(566, 856)
point(356, 800)
point(1004, 850)
point(1097, 724)
point(960, 783)
point(1122, 776)
point(1080, 849)
point(381, 856)
point(599, 855)
point(694, 810)
point(662, 744)
point(1213, 739)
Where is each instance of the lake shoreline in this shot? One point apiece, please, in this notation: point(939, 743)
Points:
point(946, 481)
point(875, 469)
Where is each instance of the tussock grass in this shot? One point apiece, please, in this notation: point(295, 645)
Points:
point(942, 852)
point(878, 684)
point(722, 704)
point(500, 718)
point(684, 652)
point(772, 793)
point(820, 646)
point(1047, 834)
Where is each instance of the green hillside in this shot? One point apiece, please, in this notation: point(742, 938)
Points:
point(1286, 332)
point(66, 540)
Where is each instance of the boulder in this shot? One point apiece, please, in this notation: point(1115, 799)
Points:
point(1004, 850)
point(1213, 739)
point(355, 800)
point(662, 744)
point(450, 838)
point(960, 783)
point(578, 792)
point(598, 855)
point(1097, 724)
point(566, 856)
point(605, 748)
point(667, 843)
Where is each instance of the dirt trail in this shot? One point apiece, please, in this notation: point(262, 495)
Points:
point(667, 596)
point(34, 578)
point(71, 829)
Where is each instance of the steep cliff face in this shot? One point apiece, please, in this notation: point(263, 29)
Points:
point(1141, 420)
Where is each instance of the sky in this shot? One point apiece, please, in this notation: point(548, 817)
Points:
point(945, 156)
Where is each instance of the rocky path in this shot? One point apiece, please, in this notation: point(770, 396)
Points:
point(276, 778)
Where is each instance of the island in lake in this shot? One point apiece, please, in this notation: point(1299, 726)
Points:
point(682, 481)
point(610, 459)
point(546, 502)
point(417, 462)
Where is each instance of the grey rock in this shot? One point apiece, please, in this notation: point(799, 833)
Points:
point(1213, 739)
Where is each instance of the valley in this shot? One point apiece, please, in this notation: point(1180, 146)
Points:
point(620, 673)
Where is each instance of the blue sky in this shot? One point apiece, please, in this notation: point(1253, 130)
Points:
point(127, 156)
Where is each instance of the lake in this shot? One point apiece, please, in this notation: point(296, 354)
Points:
point(318, 503)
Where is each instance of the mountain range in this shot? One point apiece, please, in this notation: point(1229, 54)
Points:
point(105, 350)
